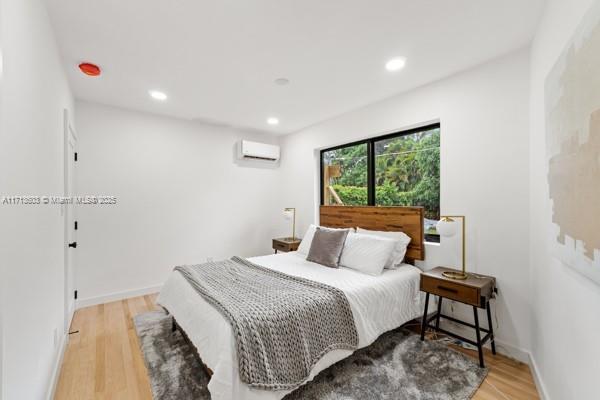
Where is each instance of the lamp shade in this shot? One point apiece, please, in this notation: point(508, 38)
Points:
point(446, 227)
point(289, 213)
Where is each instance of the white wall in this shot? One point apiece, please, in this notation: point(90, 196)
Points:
point(181, 199)
point(565, 316)
point(484, 171)
point(2, 265)
point(171, 211)
point(34, 94)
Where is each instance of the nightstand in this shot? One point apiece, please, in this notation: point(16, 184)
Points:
point(476, 291)
point(286, 244)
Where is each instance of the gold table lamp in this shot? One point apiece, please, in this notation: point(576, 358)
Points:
point(447, 227)
point(290, 213)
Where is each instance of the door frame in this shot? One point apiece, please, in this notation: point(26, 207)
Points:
point(69, 268)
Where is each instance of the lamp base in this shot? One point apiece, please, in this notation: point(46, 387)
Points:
point(455, 275)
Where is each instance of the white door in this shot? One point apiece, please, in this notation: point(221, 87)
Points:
point(70, 217)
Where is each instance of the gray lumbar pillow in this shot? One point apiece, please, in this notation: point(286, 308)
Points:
point(326, 247)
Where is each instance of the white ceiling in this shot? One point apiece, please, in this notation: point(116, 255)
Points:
point(217, 60)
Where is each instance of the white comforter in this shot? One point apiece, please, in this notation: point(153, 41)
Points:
point(378, 303)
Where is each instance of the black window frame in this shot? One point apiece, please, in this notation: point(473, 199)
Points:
point(370, 142)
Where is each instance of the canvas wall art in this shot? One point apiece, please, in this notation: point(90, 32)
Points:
point(573, 149)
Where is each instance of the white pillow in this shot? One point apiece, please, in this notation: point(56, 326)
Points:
point(366, 253)
point(307, 239)
point(402, 242)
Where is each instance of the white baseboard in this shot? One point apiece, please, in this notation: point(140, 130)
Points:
point(507, 350)
point(107, 298)
point(512, 351)
point(86, 303)
point(537, 377)
point(502, 347)
point(58, 364)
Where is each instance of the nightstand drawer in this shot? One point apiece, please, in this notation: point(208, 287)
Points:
point(450, 290)
point(277, 245)
point(475, 290)
point(286, 244)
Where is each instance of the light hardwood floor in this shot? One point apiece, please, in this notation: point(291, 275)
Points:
point(103, 360)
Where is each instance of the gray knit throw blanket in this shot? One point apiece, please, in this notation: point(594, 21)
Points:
point(282, 324)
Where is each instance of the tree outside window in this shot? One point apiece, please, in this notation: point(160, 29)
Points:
point(402, 169)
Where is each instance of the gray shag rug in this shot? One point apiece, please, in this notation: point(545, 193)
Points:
point(397, 366)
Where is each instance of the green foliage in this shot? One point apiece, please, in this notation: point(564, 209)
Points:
point(352, 195)
point(353, 162)
point(407, 172)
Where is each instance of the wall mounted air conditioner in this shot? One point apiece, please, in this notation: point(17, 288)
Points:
point(248, 150)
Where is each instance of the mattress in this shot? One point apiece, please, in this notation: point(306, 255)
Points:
point(378, 303)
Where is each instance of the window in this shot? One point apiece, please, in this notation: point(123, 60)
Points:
point(401, 169)
point(345, 175)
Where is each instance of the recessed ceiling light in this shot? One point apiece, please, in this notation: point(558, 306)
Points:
point(272, 121)
point(157, 95)
point(395, 64)
point(282, 81)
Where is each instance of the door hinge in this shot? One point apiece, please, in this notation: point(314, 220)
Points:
point(75, 295)
point(75, 225)
point(75, 156)
point(73, 245)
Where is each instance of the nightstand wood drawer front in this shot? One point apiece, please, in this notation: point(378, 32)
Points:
point(277, 245)
point(286, 244)
point(450, 290)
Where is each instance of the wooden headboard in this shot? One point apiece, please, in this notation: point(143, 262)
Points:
point(390, 219)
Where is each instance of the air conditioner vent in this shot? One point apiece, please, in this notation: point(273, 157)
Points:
point(258, 151)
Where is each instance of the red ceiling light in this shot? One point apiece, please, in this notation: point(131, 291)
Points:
point(90, 69)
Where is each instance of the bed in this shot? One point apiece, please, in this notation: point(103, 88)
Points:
point(378, 303)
